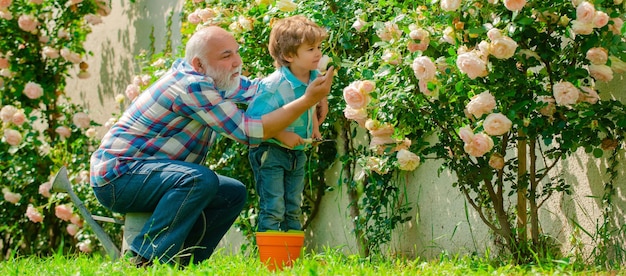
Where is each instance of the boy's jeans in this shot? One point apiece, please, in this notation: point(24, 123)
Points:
point(181, 196)
point(279, 175)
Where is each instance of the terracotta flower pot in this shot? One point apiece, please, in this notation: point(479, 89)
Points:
point(279, 249)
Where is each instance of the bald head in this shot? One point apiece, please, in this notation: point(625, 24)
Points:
point(207, 40)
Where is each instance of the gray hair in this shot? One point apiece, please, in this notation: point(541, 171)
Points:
point(197, 45)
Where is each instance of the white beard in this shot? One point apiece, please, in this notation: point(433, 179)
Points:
point(223, 80)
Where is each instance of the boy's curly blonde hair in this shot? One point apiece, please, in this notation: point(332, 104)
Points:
point(289, 33)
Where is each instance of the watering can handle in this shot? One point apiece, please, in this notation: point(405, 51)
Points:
point(61, 183)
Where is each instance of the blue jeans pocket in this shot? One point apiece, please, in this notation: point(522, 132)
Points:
point(105, 195)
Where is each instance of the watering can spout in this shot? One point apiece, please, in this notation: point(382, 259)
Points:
point(61, 184)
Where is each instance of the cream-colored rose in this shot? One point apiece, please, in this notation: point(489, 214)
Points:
point(480, 104)
point(407, 161)
point(11, 196)
point(472, 65)
point(449, 35)
point(381, 141)
point(514, 5)
point(497, 124)
point(565, 93)
point(132, 91)
point(91, 132)
point(381, 130)
point(601, 72)
point(359, 115)
point(494, 33)
point(503, 47)
point(496, 161)
point(424, 68)
point(81, 120)
point(392, 57)
point(70, 56)
point(597, 55)
point(590, 95)
point(33, 214)
point(93, 19)
point(286, 5)
point(585, 12)
point(322, 65)
point(582, 28)
point(84, 246)
point(33, 90)
point(71, 229)
point(616, 26)
point(450, 5)
point(549, 108)
point(466, 133)
point(7, 112)
point(376, 164)
point(50, 52)
point(354, 97)
point(481, 143)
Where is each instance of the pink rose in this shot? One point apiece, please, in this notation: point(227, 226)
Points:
point(19, 118)
point(11, 196)
point(503, 47)
point(71, 229)
point(407, 161)
point(63, 131)
point(84, 246)
point(376, 164)
point(355, 98)
point(514, 5)
point(601, 72)
point(44, 189)
point(597, 55)
point(423, 87)
point(467, 134)
point(81, 120)
point(93, 19)
point(389, 31)
point(366, 86)
point(481, 143)
point(496, 161)
point(381, 141)
point(378, 129)
point(392, 57)
point(141, 80)
point(12, 137)
point(33, 214)
point(33, 90)
point(497, 124)
point(7, 112)
point(601, 19)
point(450, 5)
point(424, 68)
point(63, 212)
point(132, 91)
point(472, 65)
point(494, 33)
point(193, 18)
point(585, 12)
point(480, 104)
point(27, 23)
point(565, 93)
point(420, 35)
point(5, 4)
point(358, 24)
point(4, 63)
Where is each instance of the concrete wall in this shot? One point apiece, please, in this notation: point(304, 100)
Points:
point(440, 221)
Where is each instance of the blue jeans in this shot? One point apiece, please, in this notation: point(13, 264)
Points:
point(192, 207)
point(279, 176)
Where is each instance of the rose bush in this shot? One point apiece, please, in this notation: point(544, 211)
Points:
point(42, 130)
point(508, 88)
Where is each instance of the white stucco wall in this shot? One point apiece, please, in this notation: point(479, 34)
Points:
point(439, 213)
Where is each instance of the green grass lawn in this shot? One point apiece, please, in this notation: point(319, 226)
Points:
point(327, 263)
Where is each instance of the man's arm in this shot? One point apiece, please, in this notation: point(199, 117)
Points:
point(279, 119)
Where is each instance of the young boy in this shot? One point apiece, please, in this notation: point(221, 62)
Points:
point(278, 163)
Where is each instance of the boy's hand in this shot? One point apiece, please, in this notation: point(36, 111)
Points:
point(289, 139)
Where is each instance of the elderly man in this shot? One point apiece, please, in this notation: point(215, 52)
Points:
point(152, 159)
